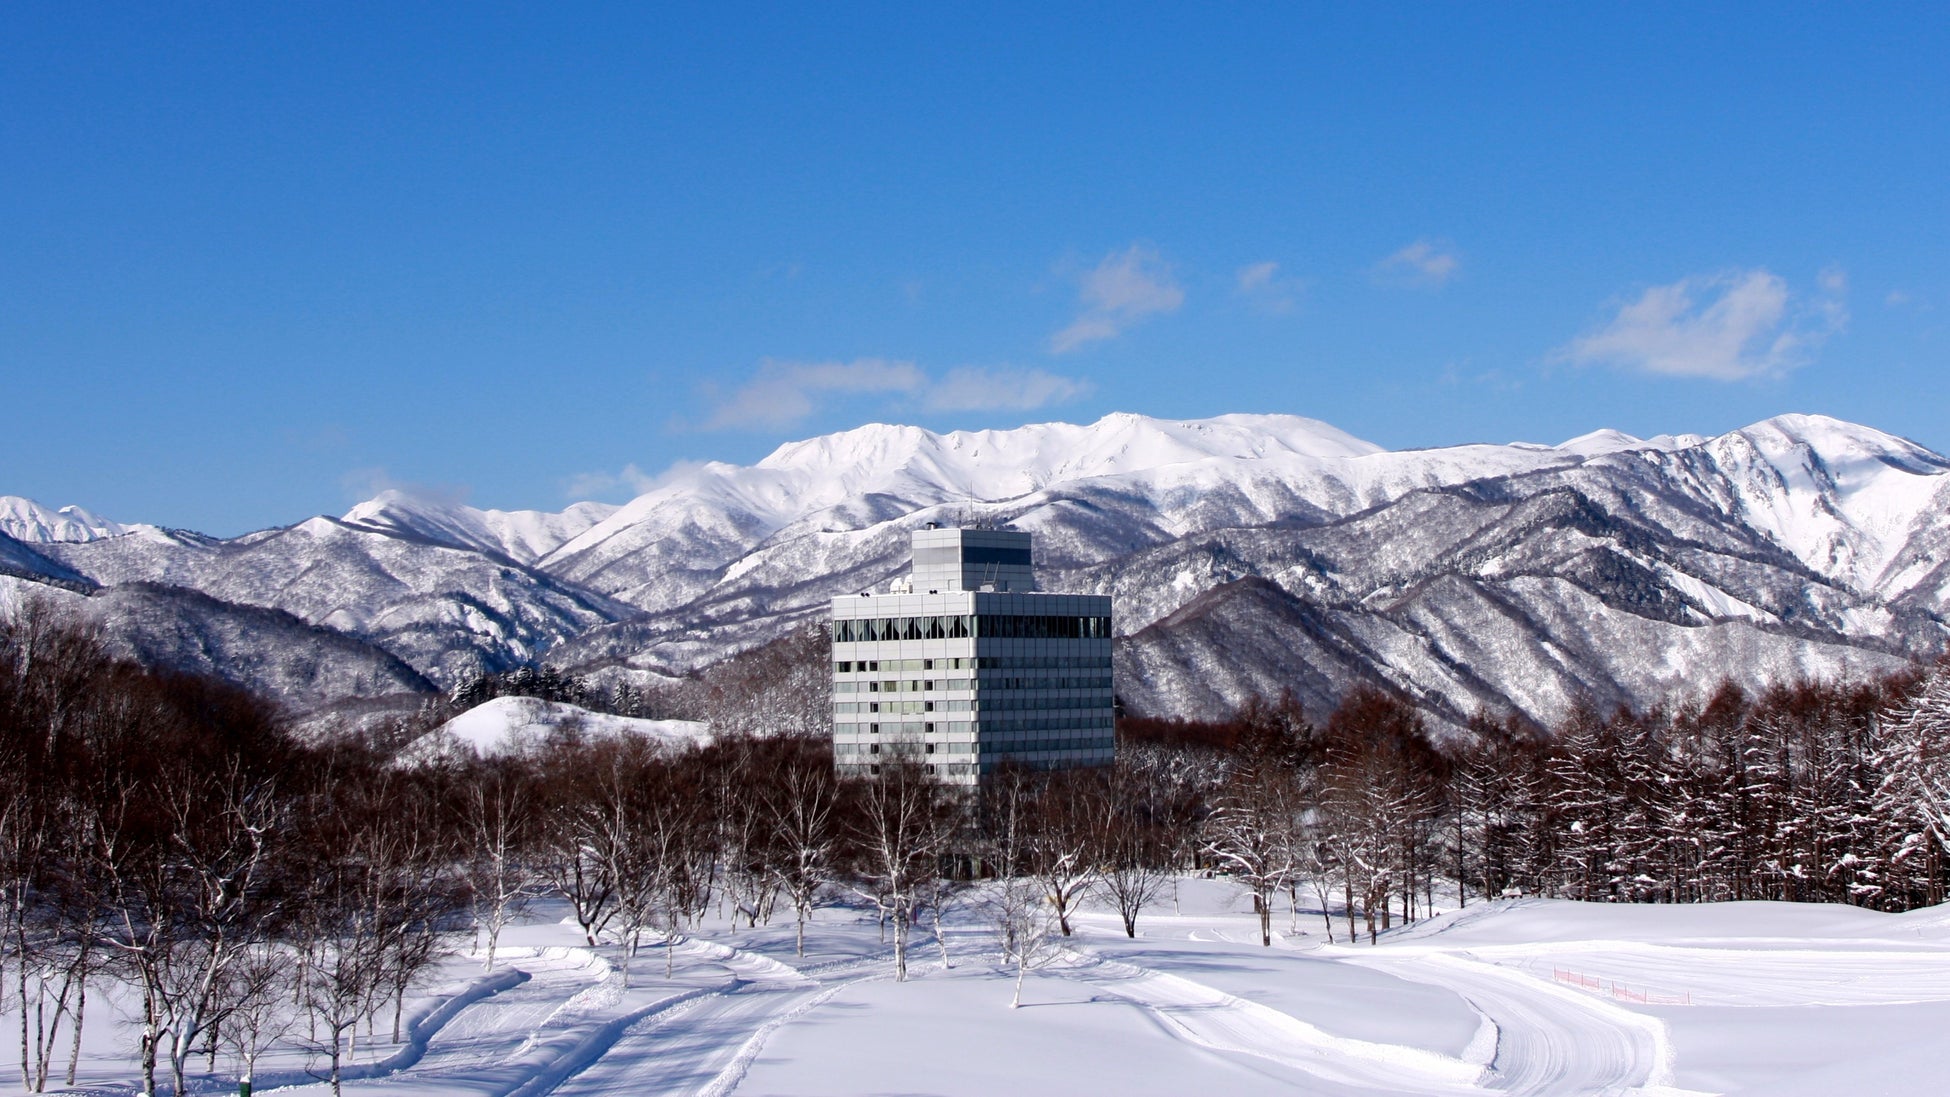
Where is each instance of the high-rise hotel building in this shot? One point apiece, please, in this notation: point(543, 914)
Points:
point(965, 665)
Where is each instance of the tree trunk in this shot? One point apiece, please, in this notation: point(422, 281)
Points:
point(151, 1037)
point(26, 1079)
point(80, 1014)
point(900, 946)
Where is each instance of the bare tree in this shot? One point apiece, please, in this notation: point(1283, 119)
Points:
point(498, 823)
point(802, 807)
point(1137, 855)
point(1023, 925)
point(258, 988)
point(1066, 837)
point(570, 857)
point(1254, 827)
point(900, 824)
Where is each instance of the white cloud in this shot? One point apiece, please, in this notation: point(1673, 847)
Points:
point(1124, 288)
point(1727, 327)
point(1267, 289)
point(361, 484)
point(1425, 262)
point(784, 393)
point(1257, 276)
point(972, 388)
point(595, 485)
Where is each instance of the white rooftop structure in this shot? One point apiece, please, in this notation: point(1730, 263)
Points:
point(966, 667)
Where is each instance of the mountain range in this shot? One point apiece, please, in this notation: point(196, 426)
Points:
point(1246, 553)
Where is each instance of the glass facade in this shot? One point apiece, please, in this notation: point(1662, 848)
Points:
point(967, 681)
point(971, 626)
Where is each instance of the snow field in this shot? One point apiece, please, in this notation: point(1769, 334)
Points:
point(1785, 1000)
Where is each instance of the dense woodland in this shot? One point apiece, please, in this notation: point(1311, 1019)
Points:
point(172, 836)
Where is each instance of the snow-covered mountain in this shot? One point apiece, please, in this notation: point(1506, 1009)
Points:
point(1246, 552)
point(523, 536)
point(28, 521)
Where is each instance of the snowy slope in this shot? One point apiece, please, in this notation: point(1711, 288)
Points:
point(445, 609)
point(18, 558)
point(508, 725)
point(523, 536)
point(26, 520)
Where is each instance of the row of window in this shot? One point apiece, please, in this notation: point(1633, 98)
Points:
point(980, 704)
point(844, 749)
point(904, 685)
point(988, 684)
point(1027, 746)
point(860, 666)
point(950, 769)
point(971, 626)
point(930, 685)
point(989, 726)
point(1033, 745)
point(1042, 723)
point(910, 730)
point(976, 662)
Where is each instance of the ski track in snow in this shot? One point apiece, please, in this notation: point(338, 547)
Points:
point(558, 1020)
point(1213, 1019)
point(574, 1028)
point(1549, 1039)
point(569, 1040)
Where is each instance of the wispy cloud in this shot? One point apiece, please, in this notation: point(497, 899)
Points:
point(783, 393)
point(1268, 289)
point(1120, 291)
point(1423, 263)
point(361, 484)
point(596, 485)
point(974, 388)
point(1727, 327)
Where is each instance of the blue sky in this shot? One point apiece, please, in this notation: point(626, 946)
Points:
point(257, 262)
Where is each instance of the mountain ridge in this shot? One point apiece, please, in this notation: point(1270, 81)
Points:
point(1472, 576)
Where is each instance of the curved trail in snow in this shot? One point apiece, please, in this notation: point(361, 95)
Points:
point(1213, 1019)
point(559, 1021)
point(1549, 1039)
point(578, 1030)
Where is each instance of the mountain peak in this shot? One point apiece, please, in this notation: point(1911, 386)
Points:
point(32, 523)
point(1833, 437)
point(521, 535)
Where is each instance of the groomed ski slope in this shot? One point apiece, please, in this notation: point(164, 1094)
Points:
point(1524, 997)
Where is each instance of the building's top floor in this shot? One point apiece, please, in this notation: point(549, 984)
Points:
point(949, 559)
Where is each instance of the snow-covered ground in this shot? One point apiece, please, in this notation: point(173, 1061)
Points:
point(509, 725)
point(1529, 996)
